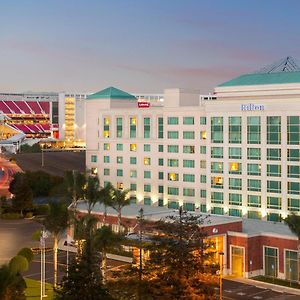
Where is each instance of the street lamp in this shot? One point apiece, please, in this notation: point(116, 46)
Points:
point(221, 274)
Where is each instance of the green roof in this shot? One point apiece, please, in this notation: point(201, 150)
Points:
point(111, 93)
point(264, 78)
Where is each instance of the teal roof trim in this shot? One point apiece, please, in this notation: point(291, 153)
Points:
point(111, 93)
point(267, 78)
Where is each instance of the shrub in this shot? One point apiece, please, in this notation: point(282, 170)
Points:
point(41, 209)
point(11, 216)
point(27, 253)
point(29, 214)
point(18, 264)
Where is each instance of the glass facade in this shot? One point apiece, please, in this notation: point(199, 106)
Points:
point(235, 130)
point(253, 130)
point(217, 129)
point(274, 130)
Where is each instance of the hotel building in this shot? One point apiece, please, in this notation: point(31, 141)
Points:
point(236, 153)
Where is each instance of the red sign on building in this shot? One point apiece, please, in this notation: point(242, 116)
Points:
point(143, 104)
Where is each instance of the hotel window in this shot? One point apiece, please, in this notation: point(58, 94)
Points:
point(273, 154)
point(294, 188)
point(147, 161)
point(160, 161)
point(119, 147)
point(133, 173)
point(189, 206)
point(188, 135)
point(106, 122)
point(94, 158)
point(147, 201)
point(147, 174)
point(203, 194)
point(291, 265)
point(254, 169)
point(217, 129)
point(293, 155)
point(293, 130)
point(217, 210)
point(253, 130)
point(188, 163)
point(217, 197)
point(106, 172)
point(188, 177)
point(273, 186)
point(188, 192)
point(254, 185)
point(294, 171)
point(189, 149)
point(133, 160)
point(253, 153)
point(202, 178)
point(235, 183)
point(119, 127)
point(202, 164)
point(173, 134)
point(160, 148)
point(217, 182)
point(188, 120)
point(235, 199)
point(146, 128)
point(133, 147)
point(161, 189)
point(120, 185)
point(271, 261)
point(106, 146)
point(274, 202)
point(173, 191)
point(119, 159)
point(160, 128)
point(216, 152)
point(132, 127)
point(273, 130)
point(202, 120)
point(252, 214)
point(160, 175)
point(235, 168)
point(216, 167)
point(202, 150)
point(173, 176)
point(147, 188)
point(119, 172)
point(254, 201)
point(235, 153)
point(173, 148)
point(235, 130)
point(203, 135)
point(133, 187)
point(274, 170)
point(293, 204)
point(233, 212)
point(273, 217)
point(147, 147)
point(173, 163)
point(106, 159)
point(173, 204)
point(172, 120)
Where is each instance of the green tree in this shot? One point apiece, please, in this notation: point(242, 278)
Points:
point(18, 264)
point(19, 187)
point(27, 253)
point(92, 192)
point(56, 222)
point(105, 239)
point(105, 198)
point(75, 185)
point(119, 200)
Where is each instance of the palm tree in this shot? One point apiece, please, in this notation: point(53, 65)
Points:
point(105, 197)
point(103, 240)
point(92, 192)
point(293, 221)
point(56, 222)
point(119, 200)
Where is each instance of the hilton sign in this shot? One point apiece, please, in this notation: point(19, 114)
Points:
point(252, 107)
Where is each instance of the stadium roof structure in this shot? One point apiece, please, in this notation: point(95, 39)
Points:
point(286, 70)
point(111, 93)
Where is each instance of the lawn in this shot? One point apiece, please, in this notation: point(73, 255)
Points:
point(277, 281)
point(33, 291)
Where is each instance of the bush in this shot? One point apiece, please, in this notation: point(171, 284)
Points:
point(27, 253)
point(41, 209)
point(11, 216)
point(29, 214)
point(18, 264)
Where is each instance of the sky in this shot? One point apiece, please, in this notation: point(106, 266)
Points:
point(140, 46)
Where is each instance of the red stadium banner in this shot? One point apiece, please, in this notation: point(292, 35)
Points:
point(143, 104)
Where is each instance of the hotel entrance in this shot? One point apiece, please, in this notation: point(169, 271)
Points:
point(237, 261)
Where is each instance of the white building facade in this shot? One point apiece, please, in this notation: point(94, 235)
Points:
point(235, 153)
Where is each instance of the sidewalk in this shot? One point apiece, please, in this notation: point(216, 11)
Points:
point(265, 285)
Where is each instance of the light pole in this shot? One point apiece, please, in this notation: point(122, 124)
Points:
point(221, 274)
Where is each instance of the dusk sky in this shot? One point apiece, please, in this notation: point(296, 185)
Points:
point(141, 46)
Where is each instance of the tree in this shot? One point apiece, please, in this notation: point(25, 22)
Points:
point(56, 222)
point(103, 240)
point(119, 200)
point(75, 182)
point(18, 264)
point(293, 221)
point(19, 187)
point(27, 253)
point(92, 192)
point(105, 198)
point(180, 263)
